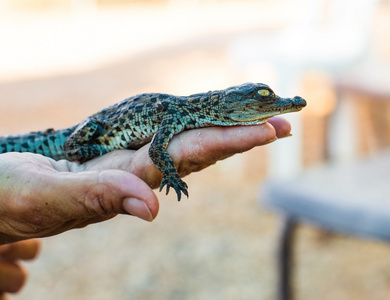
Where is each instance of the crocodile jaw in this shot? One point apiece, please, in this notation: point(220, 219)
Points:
point(252, 114)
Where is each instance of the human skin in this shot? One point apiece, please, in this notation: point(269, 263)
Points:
point(42, 197)
point(12, 274)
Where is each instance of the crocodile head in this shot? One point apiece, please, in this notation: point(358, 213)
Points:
point(254, 103)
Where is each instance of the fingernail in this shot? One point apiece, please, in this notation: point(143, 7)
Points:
point(285, 136)
point(271, 140)
point(137, 208)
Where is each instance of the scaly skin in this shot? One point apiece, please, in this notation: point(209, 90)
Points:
point(137, 120)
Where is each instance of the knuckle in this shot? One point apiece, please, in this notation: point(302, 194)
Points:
point(98, 201)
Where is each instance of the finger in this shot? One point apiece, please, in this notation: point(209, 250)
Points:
point(229, 140)
point(4, 296)
point(25, 250)
point(281, 125)
point(194, 150)
point(12, 277)
point(105, 193)
point(206, 147)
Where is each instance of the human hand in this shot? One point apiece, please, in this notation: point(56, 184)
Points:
point(42, 197)
point(12, 274)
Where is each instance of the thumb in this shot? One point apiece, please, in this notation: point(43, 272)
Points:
point(102, 193)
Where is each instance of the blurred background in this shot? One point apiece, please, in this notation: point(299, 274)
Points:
point(63, 60)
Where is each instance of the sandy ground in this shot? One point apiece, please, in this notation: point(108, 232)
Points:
point(219, 243)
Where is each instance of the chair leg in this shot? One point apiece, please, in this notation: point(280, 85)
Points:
point(285, 258)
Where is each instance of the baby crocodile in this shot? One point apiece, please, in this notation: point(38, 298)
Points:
point(137, 120)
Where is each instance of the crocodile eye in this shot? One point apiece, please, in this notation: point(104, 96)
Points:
point(263, 92)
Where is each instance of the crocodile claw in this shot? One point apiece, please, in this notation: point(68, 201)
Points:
point(176, 183)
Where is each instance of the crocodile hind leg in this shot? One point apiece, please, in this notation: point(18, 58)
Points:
point(81, 145)
point(159, 155)
point(85, 153)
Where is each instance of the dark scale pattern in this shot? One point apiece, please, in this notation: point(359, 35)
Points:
point(137, 120)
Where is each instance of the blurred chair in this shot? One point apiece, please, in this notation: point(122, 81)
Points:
point(330, 35)
point(367, 87)
point(350, 198)
point(344, 196)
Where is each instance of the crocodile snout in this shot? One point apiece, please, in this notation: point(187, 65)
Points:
point(299, 101)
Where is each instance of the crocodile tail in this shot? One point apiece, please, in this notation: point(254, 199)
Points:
point(48, 143)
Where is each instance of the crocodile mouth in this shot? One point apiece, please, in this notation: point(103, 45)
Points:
point(257, 114)
point(280, 110)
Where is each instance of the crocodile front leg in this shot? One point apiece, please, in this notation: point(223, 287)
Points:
point(159, 155)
